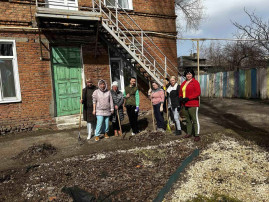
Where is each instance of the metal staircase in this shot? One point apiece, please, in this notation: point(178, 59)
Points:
point(125, 33)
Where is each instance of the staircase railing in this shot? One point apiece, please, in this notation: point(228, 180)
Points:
point(154, 57)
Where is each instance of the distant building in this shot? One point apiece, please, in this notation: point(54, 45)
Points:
point(191, 62)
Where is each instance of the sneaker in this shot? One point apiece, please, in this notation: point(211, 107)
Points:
point(97, 138)
point(106, 136)
point(133, 134)
point(178, 132)
point(161, 130)
point(89, 137)
point(187, 136)
point(197, 139)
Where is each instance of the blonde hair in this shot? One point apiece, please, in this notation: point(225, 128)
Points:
point(173, 77)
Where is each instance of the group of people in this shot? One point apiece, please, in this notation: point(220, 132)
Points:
point(102, 105)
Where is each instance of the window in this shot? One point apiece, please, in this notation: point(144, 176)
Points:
point(9, 76)
point(120, 71)
point(125, 4)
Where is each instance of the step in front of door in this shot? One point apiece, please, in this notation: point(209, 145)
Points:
point(69, 122)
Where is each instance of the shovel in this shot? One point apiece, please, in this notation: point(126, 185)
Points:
point(119, 122)
point(153, 121)
point(80, 109)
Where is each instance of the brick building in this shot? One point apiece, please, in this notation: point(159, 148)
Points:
point(47, 48)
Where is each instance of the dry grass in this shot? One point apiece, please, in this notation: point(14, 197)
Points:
point(229, 168)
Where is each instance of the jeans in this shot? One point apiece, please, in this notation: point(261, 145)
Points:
point(132, 117)
point(90, 129)
point(102, 124)
point(176, 117)
point(158, 116)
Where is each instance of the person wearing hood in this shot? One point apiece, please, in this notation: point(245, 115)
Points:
point(174, 102)
point(189, 95)
point(131, 95)
point(102, 107)
point(157, 98)
point(118, 100)
point(88, 107)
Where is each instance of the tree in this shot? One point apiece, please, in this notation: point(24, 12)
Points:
point(189, 11)
point(234, 55)
point(257, 29)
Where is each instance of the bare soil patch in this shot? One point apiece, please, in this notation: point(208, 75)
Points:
point(36, 153)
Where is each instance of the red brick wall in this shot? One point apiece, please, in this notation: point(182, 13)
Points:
point(36, 108)
point(36, 88)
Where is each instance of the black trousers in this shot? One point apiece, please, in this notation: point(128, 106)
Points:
point(158, 116)
point(132, 115)
point(115, 125)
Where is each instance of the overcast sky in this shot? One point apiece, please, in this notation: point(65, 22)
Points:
point(218, 17)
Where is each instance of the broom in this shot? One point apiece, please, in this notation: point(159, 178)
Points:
point(166, 106)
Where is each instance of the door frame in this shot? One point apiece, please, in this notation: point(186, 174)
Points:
point(52, 72)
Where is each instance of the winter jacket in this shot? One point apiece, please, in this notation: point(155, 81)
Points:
point(87, 104)
point(157, 96)
point(117, 100)
point(173, 96)
point(103, 101)
point(193, 92)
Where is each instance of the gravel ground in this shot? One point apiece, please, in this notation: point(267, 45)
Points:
point(229, 168)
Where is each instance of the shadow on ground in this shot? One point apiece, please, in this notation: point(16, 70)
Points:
point(236, 123)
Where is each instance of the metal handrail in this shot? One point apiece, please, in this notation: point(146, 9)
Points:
point(155, 69)
point(144, 34)
point(143, 48)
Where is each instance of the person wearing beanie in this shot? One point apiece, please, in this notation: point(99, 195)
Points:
point(131, 95)
point(189, 96)
point(88, 107)
point(118, 100)
point(102, 107)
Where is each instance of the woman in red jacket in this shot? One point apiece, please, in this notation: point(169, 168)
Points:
point(189, 95)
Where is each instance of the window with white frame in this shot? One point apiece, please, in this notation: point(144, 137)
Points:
point(9, 76)
point(125, 4)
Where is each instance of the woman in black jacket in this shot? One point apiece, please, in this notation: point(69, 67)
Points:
point(173, 102)
point(117, 97)
point(88, 107)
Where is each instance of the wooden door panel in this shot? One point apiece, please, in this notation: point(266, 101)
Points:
point(67, 79)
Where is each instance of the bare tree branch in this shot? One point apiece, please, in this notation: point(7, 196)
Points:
point(190, 11)
point(258, 29)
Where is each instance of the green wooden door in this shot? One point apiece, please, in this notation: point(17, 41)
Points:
point(66, 65)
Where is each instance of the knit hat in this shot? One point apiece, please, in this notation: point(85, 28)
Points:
point(115, 83)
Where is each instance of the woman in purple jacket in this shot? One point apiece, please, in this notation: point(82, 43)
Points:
point(157, 98)
point(102, 107)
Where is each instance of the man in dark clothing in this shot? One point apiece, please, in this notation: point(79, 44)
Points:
point(131, 95)
point(88, 107)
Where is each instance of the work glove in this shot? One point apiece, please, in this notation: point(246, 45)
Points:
point(137, 109)
point(161, 108)
point(185, 99)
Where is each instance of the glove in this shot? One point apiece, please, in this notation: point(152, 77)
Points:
point(137, 109)
point(185, 99)
point(161, 108)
